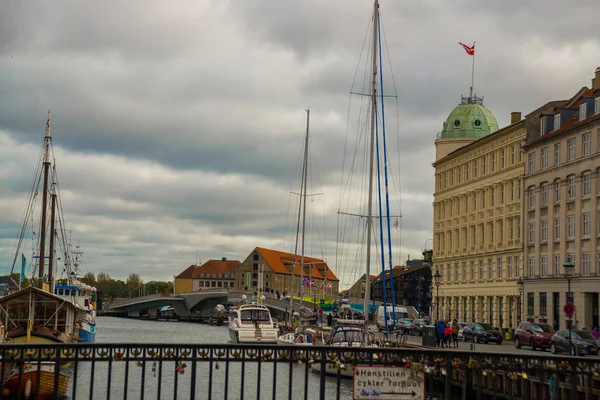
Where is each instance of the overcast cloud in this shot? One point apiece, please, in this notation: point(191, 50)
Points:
point(178, 126)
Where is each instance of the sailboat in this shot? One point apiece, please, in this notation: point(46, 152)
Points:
point(374, 172)
point(348, 332)
point(301, 335)
point(35, 315)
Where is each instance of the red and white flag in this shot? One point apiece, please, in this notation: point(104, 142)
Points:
point(469, 49)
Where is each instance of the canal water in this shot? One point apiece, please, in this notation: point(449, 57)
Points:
point(103, 378)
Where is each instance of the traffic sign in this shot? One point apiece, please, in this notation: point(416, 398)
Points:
point(322, 301)
point(432, 305)
point(569, 309)
point(419, 304)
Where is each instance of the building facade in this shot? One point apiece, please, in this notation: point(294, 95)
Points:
point(212, 274)
point(412, 286)
point(562, 212)
point(282, 271)
point(477, 245)
point(357, 291)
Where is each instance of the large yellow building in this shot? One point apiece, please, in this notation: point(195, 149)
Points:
point(477, 214)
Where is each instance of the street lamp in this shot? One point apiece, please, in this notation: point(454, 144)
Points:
point(520, 285)
point(437, 276)
point(569, 267)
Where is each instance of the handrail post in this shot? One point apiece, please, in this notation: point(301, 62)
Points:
point(323, 363)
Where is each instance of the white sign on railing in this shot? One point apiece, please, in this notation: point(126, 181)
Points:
point(381, 383)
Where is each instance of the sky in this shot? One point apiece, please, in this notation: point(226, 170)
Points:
point(178, 126)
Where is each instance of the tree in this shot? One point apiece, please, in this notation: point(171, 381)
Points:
point(133, 284)
point(89, 279)
point(103, 283)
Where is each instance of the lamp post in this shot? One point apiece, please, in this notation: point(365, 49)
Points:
point(569, 267)
point(520, 285)
point(437, 276)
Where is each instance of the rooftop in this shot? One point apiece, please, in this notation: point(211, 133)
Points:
point(470, 119)
point(282, 262)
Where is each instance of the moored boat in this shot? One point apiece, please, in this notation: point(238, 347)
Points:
point(252, 323)
point(35, 315)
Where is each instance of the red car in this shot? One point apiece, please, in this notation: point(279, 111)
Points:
point(536, 335)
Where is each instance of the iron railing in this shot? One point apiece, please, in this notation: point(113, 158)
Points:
point(228, 371)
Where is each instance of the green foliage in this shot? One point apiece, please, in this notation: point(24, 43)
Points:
point(134, 286)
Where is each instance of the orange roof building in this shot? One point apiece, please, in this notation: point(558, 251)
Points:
point(212, 274)
point(279, 268)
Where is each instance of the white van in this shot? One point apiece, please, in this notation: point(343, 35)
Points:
point(400, 312)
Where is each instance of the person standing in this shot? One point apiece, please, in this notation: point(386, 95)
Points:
point(596, 333)
point(455, 329)
point(439, 329)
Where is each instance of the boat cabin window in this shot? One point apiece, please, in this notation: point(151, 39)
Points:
point(87, 302)
point(60, 292)
point(348, 336)
point(255, 315)
point(73, 292)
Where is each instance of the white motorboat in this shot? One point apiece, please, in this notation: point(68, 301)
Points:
point(299, 338)
point(252, 323)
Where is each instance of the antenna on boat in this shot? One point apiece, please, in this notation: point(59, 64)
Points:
point(48, 142)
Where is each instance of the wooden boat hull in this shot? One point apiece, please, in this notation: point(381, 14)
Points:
point(30, 376)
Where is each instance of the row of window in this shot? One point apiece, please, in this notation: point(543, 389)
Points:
point(495, 229)
point(216, 284)
point(586, 150)
point(586, 265)
point(544, 301)
point(571, 181)
point(586, 219)
point(485, 197)
point(504, 157)
point(484, 270)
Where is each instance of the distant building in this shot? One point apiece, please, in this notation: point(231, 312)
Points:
point(412, 284)
point(357, 291)
point(277, 268)
point(211, 274)
point(562, 211)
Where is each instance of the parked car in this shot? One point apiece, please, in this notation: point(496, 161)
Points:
point(417, 328)
point(481, 332)
point(535, 335)
point(583, 343)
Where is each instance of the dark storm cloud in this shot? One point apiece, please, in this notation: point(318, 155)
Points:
point(179, 126)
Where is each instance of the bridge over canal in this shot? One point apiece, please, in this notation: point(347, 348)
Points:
point(199, 304)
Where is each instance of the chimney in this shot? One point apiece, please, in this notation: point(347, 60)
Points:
point(596, 80)
point(223, 259)
point(515, 116)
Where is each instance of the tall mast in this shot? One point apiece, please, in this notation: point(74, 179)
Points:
point(304, 178)
point(51, 264)
point(371, 161)
point(44, 204)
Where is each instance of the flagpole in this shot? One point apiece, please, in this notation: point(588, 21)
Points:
point(472, 73)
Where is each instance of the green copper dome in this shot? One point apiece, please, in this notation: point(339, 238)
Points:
point(470, 119)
